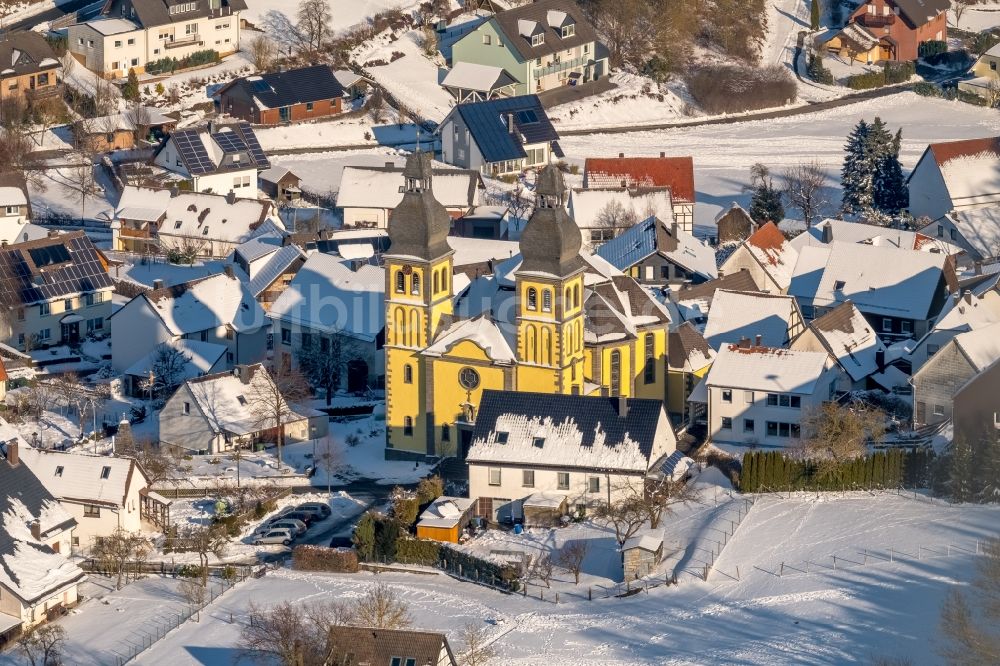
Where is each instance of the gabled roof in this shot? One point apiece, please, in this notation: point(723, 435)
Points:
point(51, 268)
point(980, 227)
point(276, 265)
point(152, 13)
point(740, 280)
point(676, 173)
point(565, 430)
point(379, 646)
point(481, 331)
point(829, 230)
point(290, 87)
point(211, 149)
point(25, 52)
point(82, 477)
point(688, 350)
point(587, 205)
point(544, 17)
point(768, 369)
point(481, 78)
point(653, 236)
point(970, 168)
point(773, 252)
point(883, 281)
point(127, 121)
point(380, 187)
point(736, 315)
point(848, 336)
point(206, 303)
point(919, 12)
point(200, 357)
point(488, 125)
point(981, 346)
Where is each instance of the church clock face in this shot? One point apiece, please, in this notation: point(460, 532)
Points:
point(468, 378)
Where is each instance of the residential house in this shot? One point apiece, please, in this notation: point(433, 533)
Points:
point(590, 450)
point(489, 223)
point(281, 184)
point(207, 225)
point(955, 175)
point(972, 309)
point(57, 290)
point(37, 579)
point(15, 210)
point(213, 414)
point(392, 647)
point(674, 173)
point(125, 130)
point(215, 159)
point(769, 257)
point(958, 361)
point(656, 254)
point(499, 137)
point(334, 306)
point(689, 357)
point(540, 45)
point(757, 395)
point(219, 309)
point(827, 231)
point(101, 493)
point(170, 363)
point(975, 415)
point(368, 195)
point(130, 34)
point(890, 29)
point(847, 336)
point(901, 292)
point(604, 214)
point(471, 82)
point(772, 320)
point(31, 72)
point(287, 96)
point(694, 302)
point(734, 225)
point(270, 263)
point(984, 76)
point(974, 230)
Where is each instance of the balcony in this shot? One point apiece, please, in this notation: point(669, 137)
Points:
point(555, 67)
point(876, 21)
point(189, 40)
point(126, 232)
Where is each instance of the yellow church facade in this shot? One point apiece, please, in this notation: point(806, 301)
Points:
point(549, 320)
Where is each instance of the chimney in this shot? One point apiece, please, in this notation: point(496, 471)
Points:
point(53, 233)
point(622, 407)
point(390, 165)
point(977, 266)
point(510, 123)
point(175, 192)
point(244, 372)
point(231, 198)
point(880, 359)
point(211, 127)
point(228, 269)
point(757, 341)
point(12, 454)
point(744, 343)
point(673, 228)
point(967, 295)
point(36, 530)
point(286, 240)
point(662, 154)
point(621, 155)
point(827, 233)
point(157, 284)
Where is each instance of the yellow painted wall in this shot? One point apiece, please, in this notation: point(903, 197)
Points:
point(677, 390)
point(656, 390)
point(449, 394)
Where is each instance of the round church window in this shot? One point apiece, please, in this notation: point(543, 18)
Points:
point(468, 378)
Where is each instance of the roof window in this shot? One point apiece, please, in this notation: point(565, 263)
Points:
point(59, 470)
point(502, 437)
point(538, 442)
point(105, 472)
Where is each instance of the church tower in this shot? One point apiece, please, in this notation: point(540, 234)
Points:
point(549, 294)
point(418, 296)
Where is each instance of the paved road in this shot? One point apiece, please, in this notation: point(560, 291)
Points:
point(47, 15)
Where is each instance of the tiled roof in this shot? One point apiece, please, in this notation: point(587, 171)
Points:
point(677, 173)
point(50, 268)
point(488, 125)
point(293, 86)
point(848, 336)
point(688, 350)
point(737, 315)
point(514, 22)
point(774, 253)
point(949, 150)
point(741, 280)
point(154, 12)
point(26, 52)
point(919, 12)
point(362, 645)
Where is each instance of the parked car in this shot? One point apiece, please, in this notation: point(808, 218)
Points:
point(282, 536)
point(306, 517)
point(341, 542)
point(322, 511)
point(296, 527)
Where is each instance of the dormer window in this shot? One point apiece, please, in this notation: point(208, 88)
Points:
point(538, 40)
point(59, 470)
point(105, 472)
point(568, 30)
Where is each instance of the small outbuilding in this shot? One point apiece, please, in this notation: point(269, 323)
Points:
point(543, 509)
point(281, 184)
point(641, 554)
point(445, 519)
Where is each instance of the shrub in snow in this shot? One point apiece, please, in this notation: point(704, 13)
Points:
point(738, 88)
point(320, 558)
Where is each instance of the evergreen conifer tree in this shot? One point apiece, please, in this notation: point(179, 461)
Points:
point(765, 201)
point(960, 471)
point(889, 191)
point(856, 173)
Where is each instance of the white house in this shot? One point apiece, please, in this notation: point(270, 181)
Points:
point(218, 309)
point(368, 194)
point(130, 34)
point(603, 214)
point(758, 395)
point(955, 175)
point(15, 211)
point(215, 159)
point(590, 450)
point(36, 576)
point(959, 360)
point(970, 310)
point(772, 319)
point(827, 231)
point(768, 256)
point(102, 493)
point(172, 362)
point(847, 336)
point(212, 414)
point(975, 230)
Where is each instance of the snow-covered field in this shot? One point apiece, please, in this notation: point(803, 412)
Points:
point(982, 17)
point(346, 13)
point(321, 172)
point(412, 79)
point(825, 616)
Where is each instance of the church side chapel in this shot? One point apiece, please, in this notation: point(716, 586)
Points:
point(551, 319)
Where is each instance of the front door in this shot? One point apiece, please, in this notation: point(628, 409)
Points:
point(71, 333)
point(285, 114)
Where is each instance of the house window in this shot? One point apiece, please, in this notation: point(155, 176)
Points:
point(727, 395)
point(118, 43)
point(594, 484)
point(309, 106)
point(993, 65)
point(568, 30)
point(20, 314)
point(886, 325)
point(43, 309)
point(727, 423)
point(528, 478)
point(131, 41)
point(938, 410)
point(91, 511)
point(446, 433)
point(400, 282)
point(487, 40)
point(59, 470)
point(547, 301)
point(532, 298)
point(67, 304)
point(229, 334)
point(494, 473)
point(649, 373)
point(286, 336)
point(616, 367)
point(748, 425)
point(187, 409)
point(538, 442)
point(44, 334)
point(562, 480)
point(407, 374)
point(538, 40)
point(408, 426)
point(940, 231)
point(906, 326)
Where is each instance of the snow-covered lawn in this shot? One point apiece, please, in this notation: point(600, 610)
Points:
point(321, 172)
point(412, 79)
point(635, 99)
point(171, 274)
point(355, 131)
point(62, 195)
point(346, 13)
point(253, 468)
point(192, 84)
point(975, 19)
point(723, 154)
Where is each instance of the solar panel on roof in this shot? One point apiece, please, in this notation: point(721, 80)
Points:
point(526, 117)
point(230, 142)
point(260, 85)
point(193, 152)
point(256, 151)
point(49, 255)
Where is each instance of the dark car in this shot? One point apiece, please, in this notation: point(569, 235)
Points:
point(341, 542)
point(307, 517)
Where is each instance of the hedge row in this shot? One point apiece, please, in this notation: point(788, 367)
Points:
point(319, 558)
point(171, 65)
point(897, 72)
point(765, 471)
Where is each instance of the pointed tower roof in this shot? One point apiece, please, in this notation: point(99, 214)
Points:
point(419, 225)
point(551, 242)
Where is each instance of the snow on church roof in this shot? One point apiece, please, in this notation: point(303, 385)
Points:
point(481, 331)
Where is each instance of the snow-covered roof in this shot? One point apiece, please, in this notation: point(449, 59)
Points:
point(871, 234)
point(11, 231)
point(688, 350)
point(472, 76)
point(773, 252)
point(858, 34)
point(480, 250)
point(739, 314)
point(380, 187)
point(651, 235)
point(12, 196)
point(112, 26)
point(327, 295)
point(347, 78)
point(586, 205)
point(481, 331)
point(445, 512)
point(980, 227)
point(966, 312)
point(970, 169)
point(257, 248)
point(83, 477)
point(129, 121)
point(849, 337)
point(207, 303)
point(879, 280)
point(200, 357)
point(768, 369)
point(648, 541)
point(544, 499)
point(981, 346)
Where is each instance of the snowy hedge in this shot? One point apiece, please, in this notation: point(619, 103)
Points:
point(770, 471)
point(319, 558)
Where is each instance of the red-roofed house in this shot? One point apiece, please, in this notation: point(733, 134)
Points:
point(675, 173)
point(768, 256)
point(955, 175)
point(891, 29)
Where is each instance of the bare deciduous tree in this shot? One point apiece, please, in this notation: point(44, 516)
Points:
point(571, 557)
point(803, 186)
point(626, 516)
point(263, 52)
point(159, 466)
point(323, 360)
point(659, 496)
point(269, 396)
point(970, 621)
point(314, 22)
point(479, 650)
point(117, 550)
point(541, 569)
point(206, 540)
point(833, 434)
point(194, 592)
point(42, 645)
point(615, 218)
point(382, 608)
point(328, 459)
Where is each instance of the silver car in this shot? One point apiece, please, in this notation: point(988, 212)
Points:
point(273, 536)
point(296, 527)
